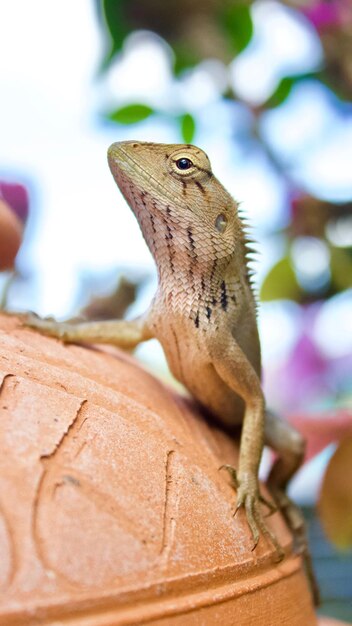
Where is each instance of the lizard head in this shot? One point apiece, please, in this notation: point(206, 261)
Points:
point(175, 196)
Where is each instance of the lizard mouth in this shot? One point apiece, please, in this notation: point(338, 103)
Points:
point(130, 171)
point(120, 161)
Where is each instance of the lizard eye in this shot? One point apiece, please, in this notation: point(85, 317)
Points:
point(184, 164)
point(221, 223)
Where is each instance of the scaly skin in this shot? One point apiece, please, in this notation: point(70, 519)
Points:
point(204, 310)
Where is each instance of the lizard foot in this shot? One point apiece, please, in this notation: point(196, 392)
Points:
point(46, 326)
point(249, 498)
point(296, 523)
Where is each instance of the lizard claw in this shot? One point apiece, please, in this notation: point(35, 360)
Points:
point(233, 473)
point(249, 498)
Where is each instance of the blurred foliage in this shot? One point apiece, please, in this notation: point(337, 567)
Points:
point(284, 88)
point(201, 29)
point(188, 127)
point(281, 282)
point(237, 23)
point(134, 113)
point(131, 114)
point(195, 29)
point(198, 30)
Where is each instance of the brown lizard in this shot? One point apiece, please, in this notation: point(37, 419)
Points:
point(203, 313)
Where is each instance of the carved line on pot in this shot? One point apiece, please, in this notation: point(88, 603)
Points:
point(74, 386)
point(13, 556)
point(109, 397)
point(57, 474)
point(31, 360)
point(170, 509)
point(50, 465)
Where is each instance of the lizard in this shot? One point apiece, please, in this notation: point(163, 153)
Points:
point(204, 314)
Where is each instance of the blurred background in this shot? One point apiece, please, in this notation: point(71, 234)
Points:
point(265, 88)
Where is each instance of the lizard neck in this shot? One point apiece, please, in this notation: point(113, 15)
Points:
point(195, 264)
point(193, 273)
point(180, 250)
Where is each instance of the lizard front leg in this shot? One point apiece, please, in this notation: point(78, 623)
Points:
point(236, 371)
point(125, 334)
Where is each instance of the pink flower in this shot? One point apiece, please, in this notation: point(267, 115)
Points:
point(321, 429)
point(325, 13)
point(16, 197)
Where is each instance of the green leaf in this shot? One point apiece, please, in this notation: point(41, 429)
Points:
point(281, 92)
point(131, 114)
point(341, 268)
point(114, 14)
point(237, 22)
point(281, 283)
point(285, 86)
point(188, 127)
point(184, 58)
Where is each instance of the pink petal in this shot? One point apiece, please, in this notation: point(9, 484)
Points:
point(16, 196)
point(321, 429)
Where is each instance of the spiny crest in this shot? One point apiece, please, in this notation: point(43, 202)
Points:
point(251, 256)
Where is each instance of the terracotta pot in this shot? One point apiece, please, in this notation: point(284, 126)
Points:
point(11, 229)
point(113, 508)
